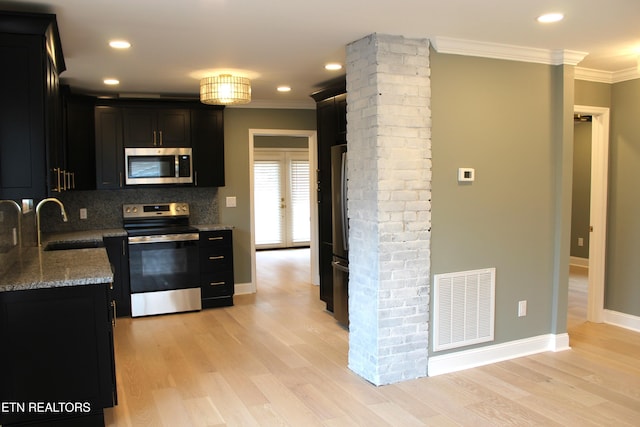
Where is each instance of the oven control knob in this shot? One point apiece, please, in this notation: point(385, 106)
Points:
point(135, 210)
point(127, 210)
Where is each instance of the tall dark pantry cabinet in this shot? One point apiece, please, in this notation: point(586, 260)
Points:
point(331, 110)
point(30, 108)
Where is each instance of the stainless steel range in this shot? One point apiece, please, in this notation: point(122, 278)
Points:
point(163, 258)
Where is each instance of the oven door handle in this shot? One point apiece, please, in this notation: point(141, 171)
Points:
point(164, 238)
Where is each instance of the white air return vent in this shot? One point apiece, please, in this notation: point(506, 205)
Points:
point(463, 308)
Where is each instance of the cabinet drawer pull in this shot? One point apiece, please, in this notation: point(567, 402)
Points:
point(216, 238)
point(213, 258)
point(217, 283)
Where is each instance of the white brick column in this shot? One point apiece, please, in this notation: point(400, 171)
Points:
point(389, 207)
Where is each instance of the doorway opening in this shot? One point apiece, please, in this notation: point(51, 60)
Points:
point(281, 183)
point(595, 263)
point(255, 140)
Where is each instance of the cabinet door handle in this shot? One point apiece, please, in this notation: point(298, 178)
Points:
point(216, 238)
point(113, 307)
point(154, 138)
point(58, 187)
point(67, 180)
point(217, 283)
point(213, 258)
point(161, 138)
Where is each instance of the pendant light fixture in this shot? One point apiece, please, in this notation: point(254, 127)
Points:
point(225, 89)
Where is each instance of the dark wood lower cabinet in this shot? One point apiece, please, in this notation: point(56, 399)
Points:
point(216, 268)
point(57, 363)
point(118, 252)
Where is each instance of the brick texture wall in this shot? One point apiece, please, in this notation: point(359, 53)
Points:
point(389, 207)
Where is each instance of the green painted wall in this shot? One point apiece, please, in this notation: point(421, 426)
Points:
point(282, 142)
point(622, 286)
point(505, 119)
point(593, 94)
point(581, 200)
point(237, 122)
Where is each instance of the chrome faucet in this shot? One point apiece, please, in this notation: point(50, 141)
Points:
point(19, 209)
point(42, 202)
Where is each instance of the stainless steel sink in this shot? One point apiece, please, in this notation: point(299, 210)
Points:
point(63, 246)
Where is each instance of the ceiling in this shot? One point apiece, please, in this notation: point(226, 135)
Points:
point(287, 42)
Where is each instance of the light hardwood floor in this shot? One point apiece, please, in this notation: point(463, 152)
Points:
point(277, 358)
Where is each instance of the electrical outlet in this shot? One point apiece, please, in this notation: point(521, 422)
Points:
point(580, 241)
point(83, 213)
point(522, 308)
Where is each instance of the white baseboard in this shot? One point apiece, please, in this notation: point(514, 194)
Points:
point(244, 288)
point(466, 359)
point(580, 262)
point(622, 320)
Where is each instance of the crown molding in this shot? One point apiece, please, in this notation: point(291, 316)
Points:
point(507, 52)
point(592, 75)
point(624, 75)
point(609, 77)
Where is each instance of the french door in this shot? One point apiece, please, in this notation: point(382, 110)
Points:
point(281, 198)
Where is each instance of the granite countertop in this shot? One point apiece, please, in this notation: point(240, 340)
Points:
point(37, 268)
point(212, 227)
point(82, 236)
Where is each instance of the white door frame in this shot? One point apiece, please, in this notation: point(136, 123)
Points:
point(598, 208)
point(312, 139)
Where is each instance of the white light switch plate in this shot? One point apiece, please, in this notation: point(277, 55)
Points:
point(231, 201)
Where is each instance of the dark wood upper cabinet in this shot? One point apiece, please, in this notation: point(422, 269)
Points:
point(157, 127)
point(120, 124)
point(30, 107)
point(108, 148)
point(208, 146)
point(78, 130)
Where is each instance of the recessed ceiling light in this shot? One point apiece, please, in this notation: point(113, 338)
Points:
point(284, 89)
point(119, 44)
point(334, 66)
point(111, 82)
point(550, 17)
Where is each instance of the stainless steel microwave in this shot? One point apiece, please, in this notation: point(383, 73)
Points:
point(158, 166)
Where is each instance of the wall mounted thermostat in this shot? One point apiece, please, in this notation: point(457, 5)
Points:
point(466, 174)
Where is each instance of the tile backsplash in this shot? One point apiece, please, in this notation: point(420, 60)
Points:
point(104, 207)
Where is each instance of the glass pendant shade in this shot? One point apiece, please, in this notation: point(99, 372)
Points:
point(225, 89)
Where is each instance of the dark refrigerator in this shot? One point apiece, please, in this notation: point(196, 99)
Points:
point(340, 262)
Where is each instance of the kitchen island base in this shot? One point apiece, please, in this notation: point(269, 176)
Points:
point(57, 360)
